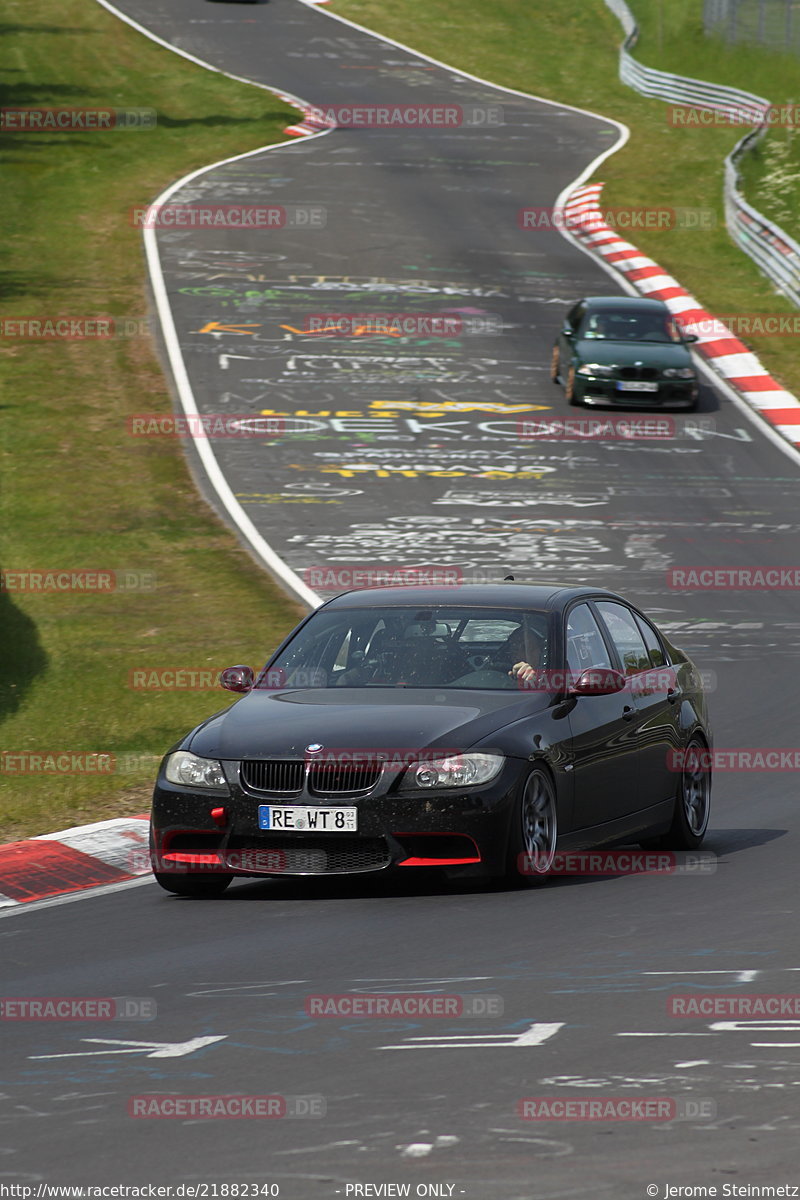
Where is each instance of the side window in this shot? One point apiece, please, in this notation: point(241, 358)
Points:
point(621, 624)
point(654, 647)
point(585, 645)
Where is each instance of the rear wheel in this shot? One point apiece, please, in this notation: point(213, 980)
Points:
point(692, 803)
point(534, 832)
point(201, 887)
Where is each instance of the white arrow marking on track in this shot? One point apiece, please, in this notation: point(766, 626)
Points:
point(149, 1049)
point(534, 1035)
point(741, 976)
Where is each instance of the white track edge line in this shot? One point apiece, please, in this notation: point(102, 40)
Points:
point(259, 545)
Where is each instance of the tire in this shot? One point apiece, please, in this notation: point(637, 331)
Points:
point(555, 362)
point(692, 804)
point(569, 388)
point(533, 837)
point(201, 887)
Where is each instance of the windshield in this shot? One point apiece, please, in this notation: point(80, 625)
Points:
point(629, 325)
point(439, 647)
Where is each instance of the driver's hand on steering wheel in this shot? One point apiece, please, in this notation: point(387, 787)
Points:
point(523, 671)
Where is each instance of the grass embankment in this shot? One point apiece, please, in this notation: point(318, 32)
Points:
point(78, 492)
point(569, 52)
point(771, 171)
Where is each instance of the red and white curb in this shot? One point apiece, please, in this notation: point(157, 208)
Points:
point(86, 856)
point(313, 121)
point(725, 353)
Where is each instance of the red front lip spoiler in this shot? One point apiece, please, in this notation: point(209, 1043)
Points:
point(191, 858)
point(215, 860)
point(451, 860)
point(436, 862)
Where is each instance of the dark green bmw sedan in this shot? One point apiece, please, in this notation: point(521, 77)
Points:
point(624, 351)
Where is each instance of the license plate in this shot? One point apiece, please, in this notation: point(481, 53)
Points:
point(637, 385)
point(307, 818)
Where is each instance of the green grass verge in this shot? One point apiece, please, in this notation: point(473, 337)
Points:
point(77, 491)
point(569, 52)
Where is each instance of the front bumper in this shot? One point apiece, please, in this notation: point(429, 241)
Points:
point(670, 393)
point(463, 829)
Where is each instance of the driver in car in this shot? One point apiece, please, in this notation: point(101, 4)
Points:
point(525, 648)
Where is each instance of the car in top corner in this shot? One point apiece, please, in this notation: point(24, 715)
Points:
point(624, 352)
point(478, 728)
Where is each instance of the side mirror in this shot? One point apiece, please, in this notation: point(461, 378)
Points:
point(598, 681)
point(568, 332)
point(237, 679)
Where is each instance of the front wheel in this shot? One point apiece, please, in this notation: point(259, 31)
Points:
point(692, 803)
point(534, 832)
point(569, 388)
point(201, 887)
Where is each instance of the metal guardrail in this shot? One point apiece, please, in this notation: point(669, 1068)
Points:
point(772, 23)
point(774, 252)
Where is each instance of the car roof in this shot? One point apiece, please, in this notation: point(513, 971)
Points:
point(626, 302)
point(501, 594)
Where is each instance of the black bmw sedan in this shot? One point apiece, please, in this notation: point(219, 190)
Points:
point(477, 728)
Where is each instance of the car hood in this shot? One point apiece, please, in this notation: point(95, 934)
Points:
point(649, 354)
point(282, 724)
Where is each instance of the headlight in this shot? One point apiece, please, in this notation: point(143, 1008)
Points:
point(191, 771)
point(457, 770)
point(678, 373)
point(595, 369)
